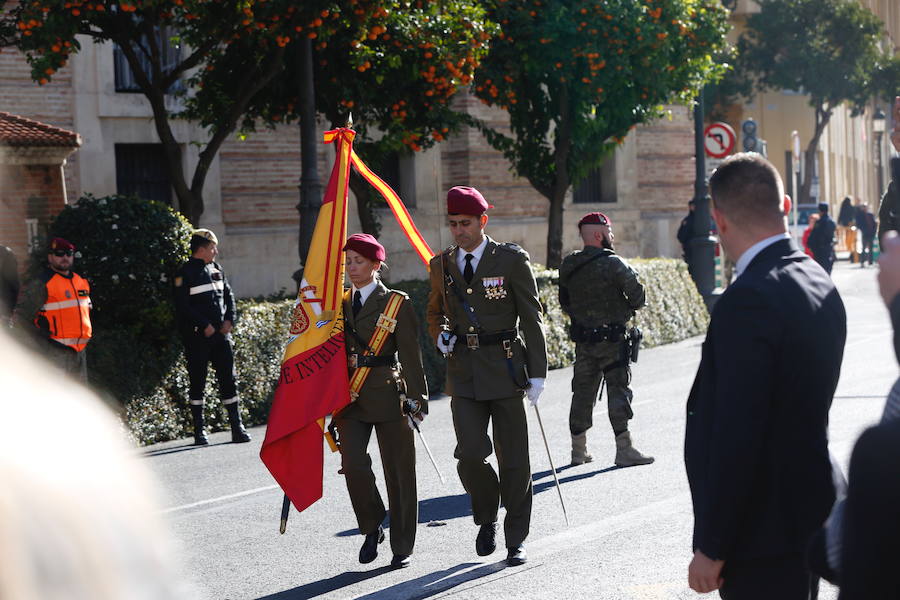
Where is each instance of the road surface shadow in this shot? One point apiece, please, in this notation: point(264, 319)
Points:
point(540, 487)
point(325, 586)
point(435, 583)
point(549, 472)
point(432, 510)
point(183, 448)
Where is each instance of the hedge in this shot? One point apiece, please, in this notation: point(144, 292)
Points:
point(674, 311)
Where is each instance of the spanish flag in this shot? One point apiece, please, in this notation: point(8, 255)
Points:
point(313, 381)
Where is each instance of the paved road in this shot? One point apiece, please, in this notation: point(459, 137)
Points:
point(629, 536)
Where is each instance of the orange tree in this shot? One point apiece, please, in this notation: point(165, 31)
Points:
point(395, 74)
point(258, 31)
point(576, 75)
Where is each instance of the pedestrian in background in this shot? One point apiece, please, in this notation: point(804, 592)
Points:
point(9, 284)
point(755, 507)
point(601, 292)
point(396, 375)
point(204, 307)
point(821, 240)
point(686, 232)
point(55, 310)
point(865, 223)
point(483, 294)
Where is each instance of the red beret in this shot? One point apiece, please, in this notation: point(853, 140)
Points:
point(366, 245)
point(594, 218)
point(59, 243)
point(465, 200)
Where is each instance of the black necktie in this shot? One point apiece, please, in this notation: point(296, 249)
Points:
point(357, 302)
point(468, 272)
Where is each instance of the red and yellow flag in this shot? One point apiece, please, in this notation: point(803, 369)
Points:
point(313, 380)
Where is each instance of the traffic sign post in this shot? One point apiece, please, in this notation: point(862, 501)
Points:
point(718, 140)
point(795, 163)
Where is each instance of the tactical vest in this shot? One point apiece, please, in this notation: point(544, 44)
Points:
point(67, 310)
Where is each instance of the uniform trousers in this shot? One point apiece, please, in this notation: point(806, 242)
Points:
point(200, 351)
point(473, 446)
point(398, 457)
point(783, 577)
point(590, 360)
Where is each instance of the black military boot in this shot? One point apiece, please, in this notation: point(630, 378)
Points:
point(238, 433)
point(197, 417)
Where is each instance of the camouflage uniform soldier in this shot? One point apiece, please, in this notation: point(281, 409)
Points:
point(600, 292)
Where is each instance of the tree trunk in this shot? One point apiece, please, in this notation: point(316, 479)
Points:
point(823, 115)
point(310, 186)
point(365, 205)
point(561, 181)
point(555, 230)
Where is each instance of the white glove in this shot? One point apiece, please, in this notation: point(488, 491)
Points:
point(535, 390)
point(445, 342)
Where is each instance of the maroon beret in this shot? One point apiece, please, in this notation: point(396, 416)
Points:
point(366, 245)
point(59, 243)
point(465, 200)
point(594, 218)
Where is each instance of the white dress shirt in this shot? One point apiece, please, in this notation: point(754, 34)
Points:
point(747, 257)
point(365, 291)
point(476, 253)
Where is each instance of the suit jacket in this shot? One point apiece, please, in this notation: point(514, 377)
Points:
point(378, 399)
point(756, 443)
point(512, 303)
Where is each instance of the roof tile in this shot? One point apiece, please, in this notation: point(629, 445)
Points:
point(19, 131)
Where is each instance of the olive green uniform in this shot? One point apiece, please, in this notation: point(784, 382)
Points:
point(603, 294)
point(487, 383)
point(378, 406)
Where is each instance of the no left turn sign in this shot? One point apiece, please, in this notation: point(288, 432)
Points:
point(718, 140)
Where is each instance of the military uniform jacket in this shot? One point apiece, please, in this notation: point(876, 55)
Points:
point(202, 296)
point(503, 294)
point(378, 399)
point(604, 290)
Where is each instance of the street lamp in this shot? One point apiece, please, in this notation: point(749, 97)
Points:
point(878, 124)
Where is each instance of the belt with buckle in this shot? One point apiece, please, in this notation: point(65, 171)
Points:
point(476, 340)
point(356, 361)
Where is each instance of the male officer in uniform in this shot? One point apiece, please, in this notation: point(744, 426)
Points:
point(205, 309)
point(483, 294)
point(600, 292)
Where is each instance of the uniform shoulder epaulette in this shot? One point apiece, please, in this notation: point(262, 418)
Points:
point(400, 293)
point(511, 247)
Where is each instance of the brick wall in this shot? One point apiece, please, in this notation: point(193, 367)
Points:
point(27, 192)
point(665, 154)
point(53, 103)
point(260, 177)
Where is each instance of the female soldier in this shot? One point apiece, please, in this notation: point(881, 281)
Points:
point(395, 368)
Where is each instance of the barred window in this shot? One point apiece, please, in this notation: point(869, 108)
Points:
point(141, 171)
point(170, 56)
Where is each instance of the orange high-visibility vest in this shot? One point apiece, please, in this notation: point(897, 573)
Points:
point(67, 310)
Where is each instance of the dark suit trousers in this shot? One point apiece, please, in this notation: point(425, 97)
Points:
point(398, 457)
point(772, 578)
point(473, 446)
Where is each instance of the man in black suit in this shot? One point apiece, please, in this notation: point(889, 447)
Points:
point(756, 444)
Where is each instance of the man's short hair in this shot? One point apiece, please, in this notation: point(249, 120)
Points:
point(198, 241)
point(747, 188)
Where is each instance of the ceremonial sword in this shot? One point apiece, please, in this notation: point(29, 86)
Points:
point(550, 458)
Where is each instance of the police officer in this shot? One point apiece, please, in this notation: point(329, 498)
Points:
point(482, 294)
point(393, 392)
point(205, 310)
point(56, 309)
point(600, 292)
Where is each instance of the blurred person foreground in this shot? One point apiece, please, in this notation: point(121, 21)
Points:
point(79, 517)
